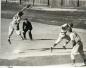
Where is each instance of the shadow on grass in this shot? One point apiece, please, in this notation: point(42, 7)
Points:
point(44, 39)
point(43, 49)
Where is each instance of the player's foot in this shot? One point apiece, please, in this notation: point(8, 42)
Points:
point(22, 38)
point(25, 38)
point(85, 62)
point(31, 39)
point(9, 41)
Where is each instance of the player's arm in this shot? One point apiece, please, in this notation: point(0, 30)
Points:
point(57, 41)
point(64, 46)
point(54, 44)
point(72, 41)
point(23, 26)
point(23, 9)
point(20, 13)
point(27, 6)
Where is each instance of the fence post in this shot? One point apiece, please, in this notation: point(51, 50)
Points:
point(6, 1)
point(61, 3)
point(20, 1)
point(77, 3)
point(33, 2)
point(48, 2)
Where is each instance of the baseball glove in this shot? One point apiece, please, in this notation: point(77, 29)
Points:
point(28, 6)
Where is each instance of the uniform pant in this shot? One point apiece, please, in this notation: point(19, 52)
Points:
point(78, 48)
point(30, 34)
point(12, 29)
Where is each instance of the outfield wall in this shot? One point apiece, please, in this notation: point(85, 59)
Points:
point(54, 3)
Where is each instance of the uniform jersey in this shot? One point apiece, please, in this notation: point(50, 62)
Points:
point(27, 25)
point(17, 18)
point(75, 37)
point(15, 22)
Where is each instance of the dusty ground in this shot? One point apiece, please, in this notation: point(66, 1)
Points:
point(29, 52)
point(45, 32)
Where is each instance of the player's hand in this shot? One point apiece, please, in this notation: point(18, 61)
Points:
point(54, 45)
point(64, 47)
point(28, 6)
point(9, 41)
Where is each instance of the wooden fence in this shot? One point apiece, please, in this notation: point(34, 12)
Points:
point(54, 3)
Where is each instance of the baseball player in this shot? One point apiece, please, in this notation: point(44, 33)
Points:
point(14, 25)
point(63, 35)
point(27, 27)
point(77, 44)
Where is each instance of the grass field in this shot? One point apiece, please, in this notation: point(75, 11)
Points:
point(46, 17)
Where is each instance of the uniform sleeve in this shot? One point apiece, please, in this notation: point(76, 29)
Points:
point(23, 26)
point(72, 36)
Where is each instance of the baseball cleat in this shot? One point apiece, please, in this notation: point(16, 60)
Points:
point(85, 62)
point(9, 41)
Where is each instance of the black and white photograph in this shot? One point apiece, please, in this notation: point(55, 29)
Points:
point(43, 34)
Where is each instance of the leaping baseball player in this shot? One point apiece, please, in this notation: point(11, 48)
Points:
point(14, 25)
point(63, 35)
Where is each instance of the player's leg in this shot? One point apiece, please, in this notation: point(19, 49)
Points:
point(72, 57)
point(18, 32)
point(30, 35)
point(74, 52)
point(21, 36)
point(83, 56)
point(10, 32)
point(82, 52)
point(67, 41)
point(24, 34)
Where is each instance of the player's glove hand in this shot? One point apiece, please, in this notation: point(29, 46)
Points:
point(9, 41)
point(64, 47)
point(28, 6)
point(54, 45)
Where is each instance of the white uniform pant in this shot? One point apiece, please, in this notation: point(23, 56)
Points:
point(12, 29)
point(78, 48)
